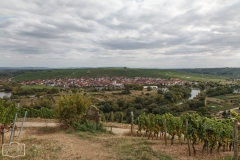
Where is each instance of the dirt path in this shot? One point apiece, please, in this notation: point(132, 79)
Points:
point(53, 124)
point(118, 130)
point(37, 124)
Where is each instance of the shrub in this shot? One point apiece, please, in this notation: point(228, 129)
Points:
point(102, 116)
point(71, 108)
point(89, 126)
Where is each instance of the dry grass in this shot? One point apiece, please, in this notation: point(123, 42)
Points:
point(38, 120)
point(118, 125)
point(53, 143)
point(38, 149)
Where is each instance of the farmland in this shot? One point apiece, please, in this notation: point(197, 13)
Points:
point(111, 72)
point(37, 87)
point(223, 102)
point(227, 71)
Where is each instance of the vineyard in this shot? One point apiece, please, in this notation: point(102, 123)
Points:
point(211, 133)
point(7, 113)
point(34, 113)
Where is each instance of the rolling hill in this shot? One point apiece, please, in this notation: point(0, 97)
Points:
point(111, 72)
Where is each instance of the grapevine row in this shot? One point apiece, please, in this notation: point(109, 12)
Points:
point(212, 133)
point(7, 113)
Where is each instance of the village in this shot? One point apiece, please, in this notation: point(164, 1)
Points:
point(105, 82)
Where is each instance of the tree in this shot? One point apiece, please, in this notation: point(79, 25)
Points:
point(169, 96)
point(115, 107)
point(203, 111)
point(102, 116)
point(71, 108)
point(45, 102)
point(224, 114)
point(52, 91)
point(163, 110)
point(201, 96)
point(160, 91)
point(107, 107)
point(126, 89)
point(111, 117)
point(149, 88)
point(121, 103)
point(121, 118)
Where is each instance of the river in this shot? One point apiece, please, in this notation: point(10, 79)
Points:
point(2, 94)
point(194, 93)
point(236, 90)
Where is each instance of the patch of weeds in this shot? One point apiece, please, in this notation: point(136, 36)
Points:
point(33, 150)
point(134, 134)
point(56, 148)
point(48, 130)
point(89, 126)
point(85, 135)
point(110, 132)
point(226, 158)
point(39, 149)
point(134, 149)
point(70, 131)
point(31, 141)
point(79, 157)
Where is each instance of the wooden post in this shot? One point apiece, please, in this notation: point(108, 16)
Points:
point(235, 139)
point(165, 131)
point(3, 136)
point(13, 130)
point(139, 129)
point(131, 122)
point(138, 121)
point(207, 147)
point(188, 141)
point(22, 124)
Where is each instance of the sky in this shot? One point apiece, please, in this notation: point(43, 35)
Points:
point(120, 33)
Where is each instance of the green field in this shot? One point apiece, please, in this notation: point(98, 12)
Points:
point(220, 107)
point(224, 72)
point(223, 102)
point(110, 72)
point(221, 97)
point(37, 87)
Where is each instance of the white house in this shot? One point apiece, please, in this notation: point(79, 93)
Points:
point(153, 87)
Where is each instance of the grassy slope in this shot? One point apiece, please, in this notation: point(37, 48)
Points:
point(101, 72)
point(225, 72)
point(37, 87)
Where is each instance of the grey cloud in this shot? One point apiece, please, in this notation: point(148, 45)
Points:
point(124, 31)
point(29, 50)
point(40, 34)
point(125, 44)
point(188, 50)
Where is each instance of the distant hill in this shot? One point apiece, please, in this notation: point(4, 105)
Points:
point(111, 72)
point(225, 72)
point(23, 68)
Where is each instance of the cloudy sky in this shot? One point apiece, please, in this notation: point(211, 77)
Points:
point(111, 33)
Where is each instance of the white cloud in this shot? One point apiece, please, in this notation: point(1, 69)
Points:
point(132, 33)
